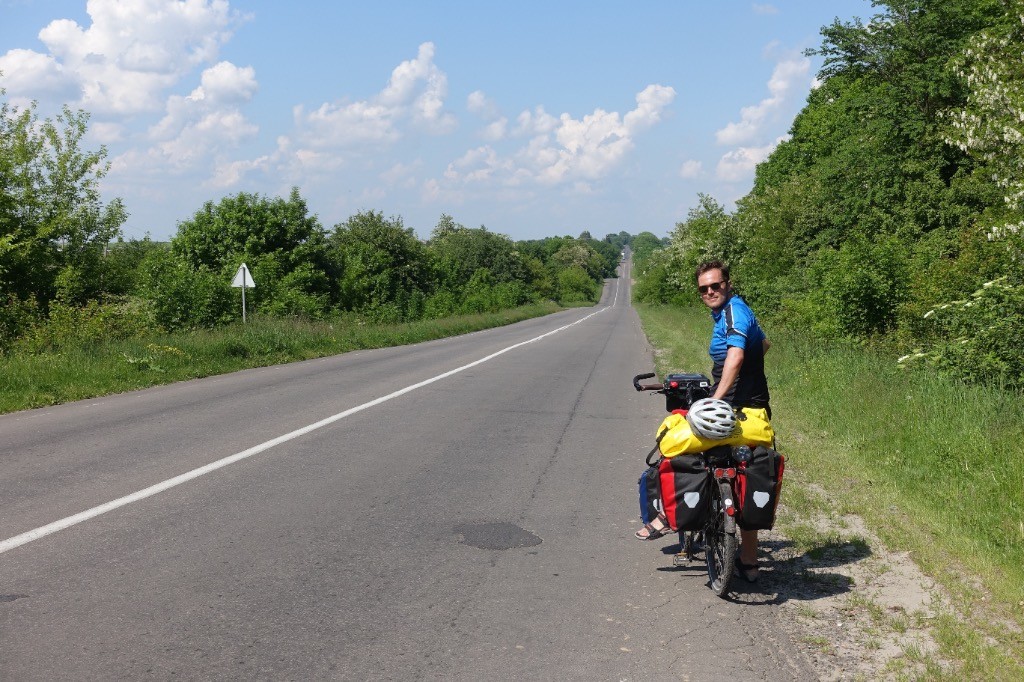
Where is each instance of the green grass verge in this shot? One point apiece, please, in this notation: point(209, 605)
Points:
point(38, 380)
point(934, 467)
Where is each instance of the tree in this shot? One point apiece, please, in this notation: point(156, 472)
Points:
point(284, 246)
point(990, 126)
point(644, 244)
point(457, 252)
point(53, 226)
point(384, 265)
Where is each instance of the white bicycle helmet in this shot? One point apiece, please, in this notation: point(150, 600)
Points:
point(712, 419)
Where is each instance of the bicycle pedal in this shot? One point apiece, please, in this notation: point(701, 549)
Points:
point(681, 559)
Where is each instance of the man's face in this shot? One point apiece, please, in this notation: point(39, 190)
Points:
point(713, 288)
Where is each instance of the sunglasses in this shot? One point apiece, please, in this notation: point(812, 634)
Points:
point(714, 286)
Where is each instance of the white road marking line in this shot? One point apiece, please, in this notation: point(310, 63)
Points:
point(69, 521)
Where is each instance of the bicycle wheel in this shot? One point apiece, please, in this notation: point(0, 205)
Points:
point(720, 546)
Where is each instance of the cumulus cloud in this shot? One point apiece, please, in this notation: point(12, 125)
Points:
point(208, 120)
point(230, 173)
point(402, 174)
point(414, 95)
point(477, 165)
point(30, 75)
point(226, 83)
point(691, 169)
point(126, 59)
point(536, 122)
point(739, 164)
point(561, 151)
point(787, 73)
point(483, 106)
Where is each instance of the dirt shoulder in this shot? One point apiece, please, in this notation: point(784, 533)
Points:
point(858, 610)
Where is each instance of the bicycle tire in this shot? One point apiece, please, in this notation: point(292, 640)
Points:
point(720, 547)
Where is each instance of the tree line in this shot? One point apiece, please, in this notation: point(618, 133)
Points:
point(892, 214)
point(68, 275)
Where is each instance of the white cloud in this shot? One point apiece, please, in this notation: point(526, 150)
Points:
point(402, 174)
point(649, 105)
point(477, 165)
point(106, 132)
point(483, 106)
point(230, 173)
point(765, 9)
point(537, 122)
point(225, 83)
point(564, 150)
point(28, 74)
point(420, 81)
point(691, 169)
point(496, 130)
point(208, 120)
point(125, 60)
point(788, 72)
point(739, 164)
point(414, 95)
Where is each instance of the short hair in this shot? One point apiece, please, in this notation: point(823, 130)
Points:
point(712, 265)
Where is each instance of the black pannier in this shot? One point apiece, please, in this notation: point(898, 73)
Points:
point(757, 485)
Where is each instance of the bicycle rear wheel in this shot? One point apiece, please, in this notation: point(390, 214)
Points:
point(720, 546)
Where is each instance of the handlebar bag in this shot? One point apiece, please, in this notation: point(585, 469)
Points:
point(758, 484)
point(685, 492)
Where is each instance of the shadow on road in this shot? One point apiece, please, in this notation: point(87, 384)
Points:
point(787, 574)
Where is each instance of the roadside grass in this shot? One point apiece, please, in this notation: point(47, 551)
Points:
point(53, 377)
point(934, 467)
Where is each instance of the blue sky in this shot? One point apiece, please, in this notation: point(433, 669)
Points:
point(531, 118)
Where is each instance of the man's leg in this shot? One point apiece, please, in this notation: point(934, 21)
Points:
point(749, 547)
point(748, 551)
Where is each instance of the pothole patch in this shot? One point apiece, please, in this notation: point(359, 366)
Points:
point(495, 536)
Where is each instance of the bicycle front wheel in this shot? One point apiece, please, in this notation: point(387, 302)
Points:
point(720, 547)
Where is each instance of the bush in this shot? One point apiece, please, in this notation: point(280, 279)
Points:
point(440, 304)
point(69, 326)
point(184, 298)
point(575, 286)
point(661, 281)
point(16, 318)
point(980, 338)
point(856, 290)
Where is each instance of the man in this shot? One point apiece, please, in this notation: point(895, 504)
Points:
point(737, 350)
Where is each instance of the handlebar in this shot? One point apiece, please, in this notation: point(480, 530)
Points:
point(646, 387)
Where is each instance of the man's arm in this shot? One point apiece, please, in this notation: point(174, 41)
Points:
point(730, 371)
point(765, 345)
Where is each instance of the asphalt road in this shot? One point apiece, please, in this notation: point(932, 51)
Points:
point(478, 526)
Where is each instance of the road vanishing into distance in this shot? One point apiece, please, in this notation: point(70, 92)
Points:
point(460, 509)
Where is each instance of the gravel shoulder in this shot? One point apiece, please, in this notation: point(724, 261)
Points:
point(858, 610)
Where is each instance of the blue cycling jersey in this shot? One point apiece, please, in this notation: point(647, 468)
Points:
point(735, 325)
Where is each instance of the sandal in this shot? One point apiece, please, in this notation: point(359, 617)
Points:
point(654, 532)
point(745, 570)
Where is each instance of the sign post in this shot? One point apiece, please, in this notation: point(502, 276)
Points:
point(243, 278)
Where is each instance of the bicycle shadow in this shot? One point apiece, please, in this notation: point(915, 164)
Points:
point(787, 574)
